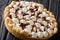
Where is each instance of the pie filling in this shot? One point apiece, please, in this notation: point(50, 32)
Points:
point(32, 19)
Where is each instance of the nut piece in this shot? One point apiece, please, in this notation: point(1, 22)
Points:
point(15, 20)
point(42, 28)
point(40, 34)
point(31, 22)
point(33, 18)
point(28, 29)
point(44, 23)
point(12, 10)
point(15, 6)
point(44, 14)
point(39, 20)
point(13, 15)
point(27, 17)
point(20, 16)
point(45, 34)
point(23, 21)
point(34, 35)
point(50, 25)
point(48, 18)
point(39, 9)
point(34, 29)
point(37, 24)
point(50, 31)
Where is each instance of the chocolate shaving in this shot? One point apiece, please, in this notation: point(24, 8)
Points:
point(44, 29)
point(17, 9)
point(33, 27)
point(18, 0)
point(40, 30)
point(23, 25)
point(42, 24)
point(47, 21)
point(36, 6)
point(44, 18)
point(31, 9)
point(24, 14)
point(38, 14)
point(21, 6)
point(10, 16)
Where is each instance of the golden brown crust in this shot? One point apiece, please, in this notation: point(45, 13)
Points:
point(17, 31)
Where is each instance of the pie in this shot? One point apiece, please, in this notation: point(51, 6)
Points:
point(29, 21)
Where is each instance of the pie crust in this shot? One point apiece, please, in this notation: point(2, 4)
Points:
point(19, 32)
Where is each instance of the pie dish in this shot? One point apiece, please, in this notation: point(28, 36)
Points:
point(29, 21)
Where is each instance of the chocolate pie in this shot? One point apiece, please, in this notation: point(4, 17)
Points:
point(29, 21)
